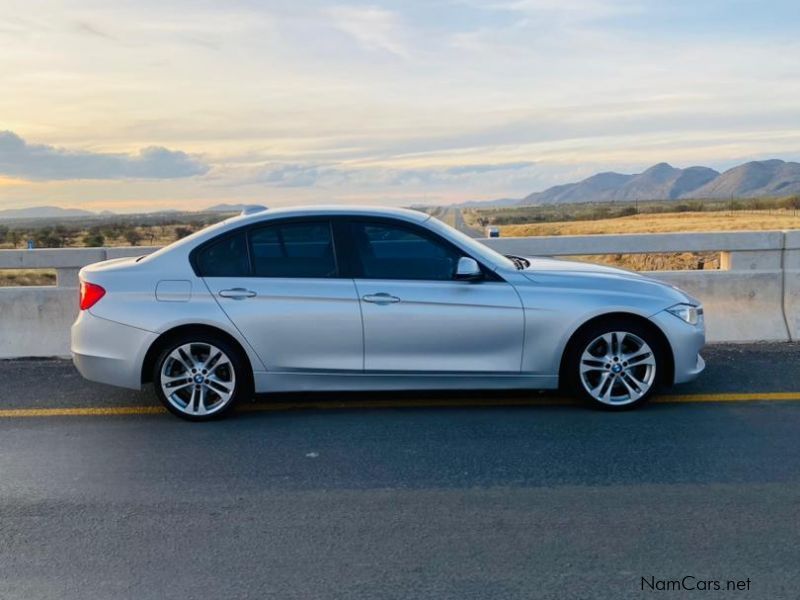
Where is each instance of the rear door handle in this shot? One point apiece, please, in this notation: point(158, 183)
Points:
point(237, 293)
point(381, 298)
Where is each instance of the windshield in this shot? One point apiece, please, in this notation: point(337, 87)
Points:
point(481, 251)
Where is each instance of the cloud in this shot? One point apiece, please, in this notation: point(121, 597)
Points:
point(476, 169)
point(373, 28)
point(41, 162)
point(574, 10)
point(291, 175)
point(342, 175)
point(86, 28)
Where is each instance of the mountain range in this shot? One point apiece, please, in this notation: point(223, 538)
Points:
point(665, 182)
point(56, 212)
point(46, 212)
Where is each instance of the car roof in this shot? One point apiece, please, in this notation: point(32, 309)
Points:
point(190, 242)
point(331, 210)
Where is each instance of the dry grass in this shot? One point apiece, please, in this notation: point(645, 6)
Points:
point(667, 261)
point(14, 277)
point(662, 223)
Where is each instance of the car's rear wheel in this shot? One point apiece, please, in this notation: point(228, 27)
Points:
point(200, 377)
point(615, 365)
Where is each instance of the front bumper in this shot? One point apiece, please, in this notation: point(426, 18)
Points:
point(687, 341)
point(109, 352)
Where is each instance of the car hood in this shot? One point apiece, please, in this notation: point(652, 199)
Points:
point(569, 274)
point(571, 266)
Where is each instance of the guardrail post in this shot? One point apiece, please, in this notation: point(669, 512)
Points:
point(750, 260)
point(791, 283)
point(67, 277)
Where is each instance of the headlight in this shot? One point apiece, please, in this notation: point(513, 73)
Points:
point(687, 312)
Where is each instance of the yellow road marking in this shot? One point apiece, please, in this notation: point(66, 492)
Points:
point(735, 397)
point(10, 413)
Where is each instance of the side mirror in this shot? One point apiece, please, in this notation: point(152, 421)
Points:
point(468, 269)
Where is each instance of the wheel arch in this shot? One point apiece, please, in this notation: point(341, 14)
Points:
point(176, 332)
point(669, 370)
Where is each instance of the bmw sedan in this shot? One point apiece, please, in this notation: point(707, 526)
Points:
point(340, 298)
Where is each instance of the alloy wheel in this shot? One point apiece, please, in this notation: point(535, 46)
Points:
point(198, 379)
point(617, 368)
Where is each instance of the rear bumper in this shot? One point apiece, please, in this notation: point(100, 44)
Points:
point(687, 341)
point(109, 352)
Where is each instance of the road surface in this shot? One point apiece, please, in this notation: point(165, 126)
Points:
point(397, 496)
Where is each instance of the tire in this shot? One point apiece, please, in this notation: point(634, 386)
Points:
point(200, 377)
point(615, 364)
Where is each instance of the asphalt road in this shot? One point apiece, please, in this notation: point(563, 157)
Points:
point(460, 502)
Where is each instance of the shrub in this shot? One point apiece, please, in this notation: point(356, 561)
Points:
point(94, 240)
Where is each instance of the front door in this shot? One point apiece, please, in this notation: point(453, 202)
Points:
point(418, 317)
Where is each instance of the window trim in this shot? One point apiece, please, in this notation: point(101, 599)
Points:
point(246, 230)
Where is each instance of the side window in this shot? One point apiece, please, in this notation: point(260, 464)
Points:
point(389, 251)
point(226, 257)
point(295, 249)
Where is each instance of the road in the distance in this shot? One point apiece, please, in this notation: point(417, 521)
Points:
point(509, 502)
point(455, 218)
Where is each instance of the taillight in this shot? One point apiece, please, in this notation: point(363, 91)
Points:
point(90, 294)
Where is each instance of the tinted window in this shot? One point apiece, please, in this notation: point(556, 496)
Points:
point(293, 250)
point(397, 252)
point(225, 258)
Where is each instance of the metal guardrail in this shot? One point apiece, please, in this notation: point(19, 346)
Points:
point(755, 295)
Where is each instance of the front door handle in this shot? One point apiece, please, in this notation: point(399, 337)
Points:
point(237, 293)
point(381, 298)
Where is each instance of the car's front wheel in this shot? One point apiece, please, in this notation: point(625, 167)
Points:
point(200, 377)
point(615, 364)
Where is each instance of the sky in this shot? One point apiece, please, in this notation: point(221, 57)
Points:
point(181, 104)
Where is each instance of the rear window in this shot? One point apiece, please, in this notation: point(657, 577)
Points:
point(297, 249)
point(226, 257)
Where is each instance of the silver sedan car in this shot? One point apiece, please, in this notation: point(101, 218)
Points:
point(341, 298)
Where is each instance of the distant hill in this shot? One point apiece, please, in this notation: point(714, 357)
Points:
point(665, 182)
point(56, 212)
point(44, 212)
point(485, 203)
point(659, 182)
point(602, 186)
point(757, 178)
point(227, 208)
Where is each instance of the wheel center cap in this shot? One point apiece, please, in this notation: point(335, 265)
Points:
point(616, 368)
point(198, 379)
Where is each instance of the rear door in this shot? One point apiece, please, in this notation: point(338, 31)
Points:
point(417, 317)
point(280, 285)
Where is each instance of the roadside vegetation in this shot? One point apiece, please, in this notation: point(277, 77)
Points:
point(663, 223)
point(605, 211)
point(116, 230)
